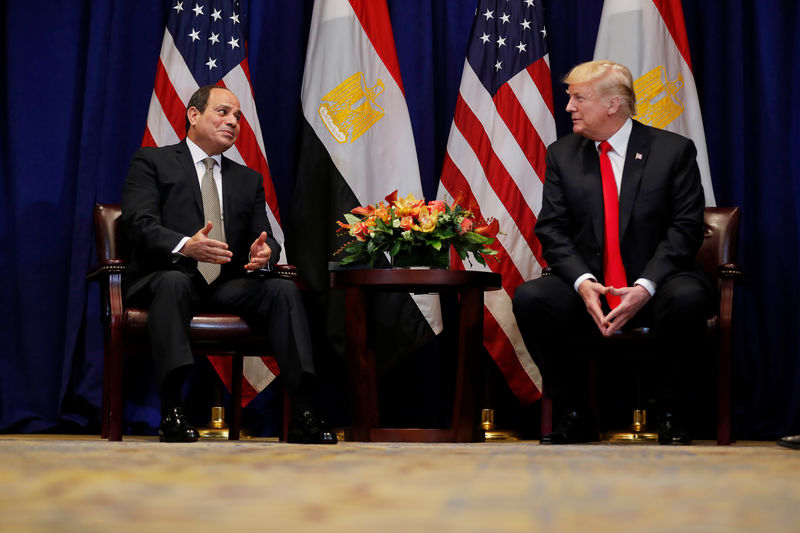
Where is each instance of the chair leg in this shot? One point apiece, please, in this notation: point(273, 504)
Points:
point(105, 417)
point(547, 414)
point(287, 415)
point(115, 415)
point(724, 432)
point(237, 371)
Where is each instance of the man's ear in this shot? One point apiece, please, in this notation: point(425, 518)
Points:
point(191, 114)
point(613, 105)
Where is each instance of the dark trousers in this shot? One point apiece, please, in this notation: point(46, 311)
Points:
point(273, 305)
point(558, 332)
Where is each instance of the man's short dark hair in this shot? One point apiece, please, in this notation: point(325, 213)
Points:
point(199, 101)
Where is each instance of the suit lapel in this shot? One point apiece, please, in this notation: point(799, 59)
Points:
point(592, 185)
point(635, 158)
point(229, 199)
point(184, 157)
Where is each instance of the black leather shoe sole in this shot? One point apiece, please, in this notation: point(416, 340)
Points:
point(674, 437)
point(318, 436)
point(190, 435)
point(792, 441)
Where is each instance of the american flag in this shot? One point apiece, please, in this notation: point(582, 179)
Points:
point(204, 44)
point(496, 158)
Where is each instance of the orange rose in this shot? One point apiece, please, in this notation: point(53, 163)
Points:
point(406, 222)
point(361, 230)
point(436, 206)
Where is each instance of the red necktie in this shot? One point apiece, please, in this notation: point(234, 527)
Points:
point(613, 269)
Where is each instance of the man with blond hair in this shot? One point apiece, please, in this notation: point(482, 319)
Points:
point(620, 225)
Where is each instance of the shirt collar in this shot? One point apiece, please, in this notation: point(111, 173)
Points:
point(619, 141)
point(198, 154)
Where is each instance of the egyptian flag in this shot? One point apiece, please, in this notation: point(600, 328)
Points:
point(357, 148)
point(649, 37)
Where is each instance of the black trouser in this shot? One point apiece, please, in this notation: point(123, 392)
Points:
point(558, 330)
point(273, 305)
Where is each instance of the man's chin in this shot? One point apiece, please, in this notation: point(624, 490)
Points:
point(224, 147)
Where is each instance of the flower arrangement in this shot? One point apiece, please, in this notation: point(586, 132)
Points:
point(416, 233)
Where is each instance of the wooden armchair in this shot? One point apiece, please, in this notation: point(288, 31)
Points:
point(125, 328)
point(716, 256)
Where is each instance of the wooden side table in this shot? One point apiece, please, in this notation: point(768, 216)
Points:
point(469, 286)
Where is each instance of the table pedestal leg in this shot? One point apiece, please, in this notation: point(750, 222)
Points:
point(361, 368)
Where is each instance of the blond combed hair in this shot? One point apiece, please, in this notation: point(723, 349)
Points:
point(612, 79)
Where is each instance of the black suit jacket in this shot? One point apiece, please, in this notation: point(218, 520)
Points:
point(162, 203)
point(661, 207)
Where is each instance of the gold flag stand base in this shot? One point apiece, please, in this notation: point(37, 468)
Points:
point(636, 434)
point(490, 431)
point(218, 429)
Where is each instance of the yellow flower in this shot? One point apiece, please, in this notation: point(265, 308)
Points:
point(427, 220)
point(408, 206)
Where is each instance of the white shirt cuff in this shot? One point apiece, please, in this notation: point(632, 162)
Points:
point(648, 285)
point(175, 251)
point(581, 279)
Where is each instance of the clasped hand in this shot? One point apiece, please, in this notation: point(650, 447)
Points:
point(632, 299)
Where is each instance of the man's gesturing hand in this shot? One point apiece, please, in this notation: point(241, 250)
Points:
point(260, 253)
point(206, 250)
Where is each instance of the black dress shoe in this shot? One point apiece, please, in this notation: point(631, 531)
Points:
point(175, 428)
point(573, 428)
point(669, 432)
point(310, 429)
point(792, 441)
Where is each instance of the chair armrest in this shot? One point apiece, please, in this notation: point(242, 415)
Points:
point(731, 271)
point(105, 268)
point(109, 275)
point(286, 271)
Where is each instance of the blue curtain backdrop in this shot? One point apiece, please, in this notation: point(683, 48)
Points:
point(77, 80)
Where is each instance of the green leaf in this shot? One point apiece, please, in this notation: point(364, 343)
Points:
point(351, 218)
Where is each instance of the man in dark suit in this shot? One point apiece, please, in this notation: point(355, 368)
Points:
point(638, 270)
point(201, 241)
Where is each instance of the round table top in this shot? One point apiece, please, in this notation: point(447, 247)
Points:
point(413, 279)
